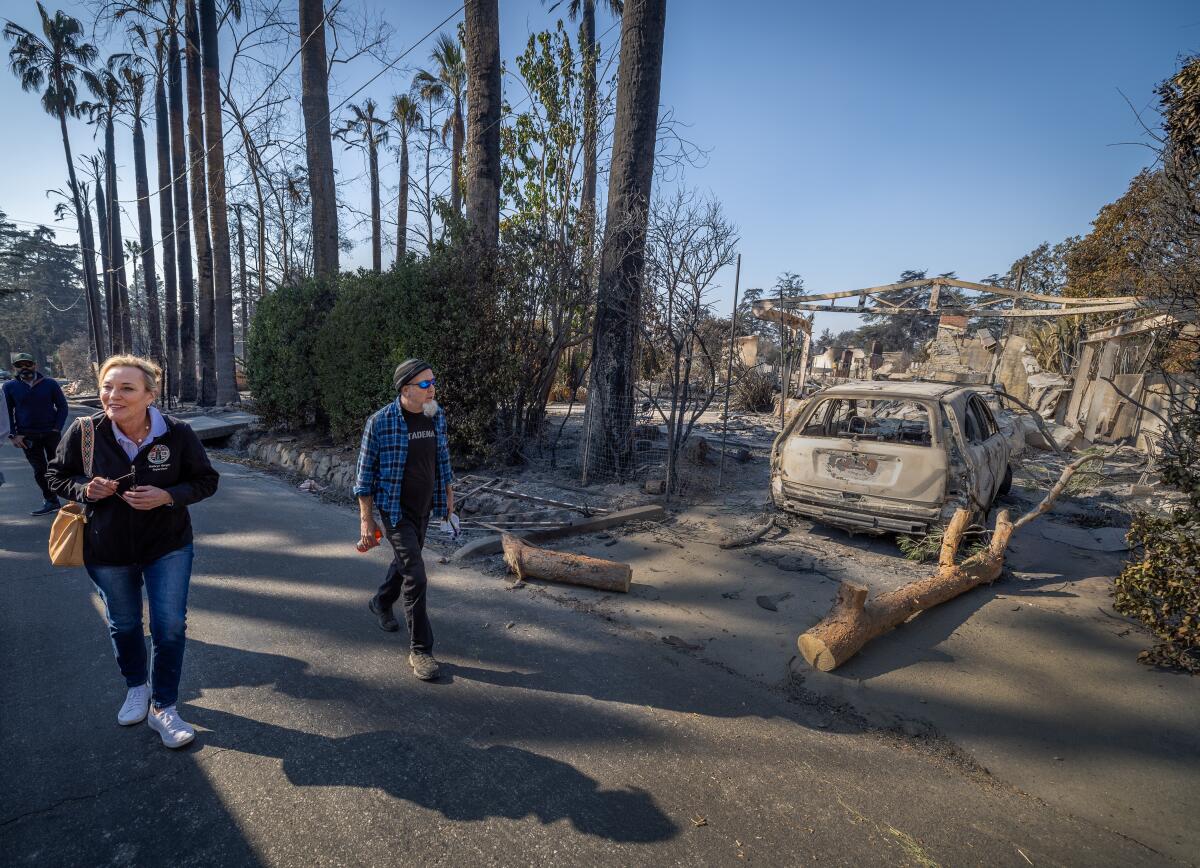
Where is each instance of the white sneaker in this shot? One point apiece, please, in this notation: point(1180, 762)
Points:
point(171, 727)
point(137, 701)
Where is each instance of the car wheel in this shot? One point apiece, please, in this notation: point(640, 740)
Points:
point(1005, 484)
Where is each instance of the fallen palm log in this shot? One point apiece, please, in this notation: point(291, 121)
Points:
point(528, 561)
point(853, 621)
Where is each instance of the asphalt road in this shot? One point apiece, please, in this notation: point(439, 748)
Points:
point(554, 737)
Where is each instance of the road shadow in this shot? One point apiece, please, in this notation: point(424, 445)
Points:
point(460, 781)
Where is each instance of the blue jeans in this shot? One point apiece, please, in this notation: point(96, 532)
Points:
point(120, 588)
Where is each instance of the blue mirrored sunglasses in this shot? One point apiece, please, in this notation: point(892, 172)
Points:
point(424, 384)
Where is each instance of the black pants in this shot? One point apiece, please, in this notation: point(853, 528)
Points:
point(406, 579)
point(39, 449)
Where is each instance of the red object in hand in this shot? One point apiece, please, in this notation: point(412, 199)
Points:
point(378, 537)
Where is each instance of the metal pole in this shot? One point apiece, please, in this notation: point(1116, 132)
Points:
point(782, 363)
point(737, 277)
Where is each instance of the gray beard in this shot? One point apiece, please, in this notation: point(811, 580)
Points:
point(430, 408)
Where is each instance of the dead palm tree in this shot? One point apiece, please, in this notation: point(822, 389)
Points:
point(406, 117)
point(314, 98)
point(585, 12)
point(109, 101)
point(218, 208)
point(367, 130)
point(450, 70)
point(206, 344)
point(136, 77)
point(483, 104)
point(607, 441)
point(166, 216)
point(433, 92)
point(54, 61)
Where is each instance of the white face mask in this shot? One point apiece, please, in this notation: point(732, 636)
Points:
point(430, 408)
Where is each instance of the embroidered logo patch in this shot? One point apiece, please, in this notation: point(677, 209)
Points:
point(159, 454)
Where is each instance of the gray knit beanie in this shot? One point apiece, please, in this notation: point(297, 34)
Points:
point(408, 369)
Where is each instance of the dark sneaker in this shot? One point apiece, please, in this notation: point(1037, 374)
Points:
point(424, 666)
point(387, 621)
point(47, 507)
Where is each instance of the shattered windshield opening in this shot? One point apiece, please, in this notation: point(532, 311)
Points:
point(881, 421)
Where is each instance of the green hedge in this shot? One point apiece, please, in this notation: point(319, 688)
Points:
point(279, 353)
point(323, 357)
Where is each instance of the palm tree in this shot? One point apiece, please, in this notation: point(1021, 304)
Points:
point(367, 130)
point(94, 161)
point(432, 91)
point(166, 218)
point(483, 105)
point(585, 11)
point(204, 259)
point(314, 98)
point(136, 79)
point(55, 60)
point(185, 378)
point(110, 99)
point(218, 209)
point(607, 441)
point(451, 73)
point(406, 117)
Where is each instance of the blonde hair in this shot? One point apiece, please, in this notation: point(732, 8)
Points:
point(151, 371)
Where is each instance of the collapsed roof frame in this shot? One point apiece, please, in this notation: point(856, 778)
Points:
point(880, 303)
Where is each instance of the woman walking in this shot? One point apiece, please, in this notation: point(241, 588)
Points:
point(146, 468)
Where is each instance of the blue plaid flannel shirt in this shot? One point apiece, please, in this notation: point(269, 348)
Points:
point(381, 458)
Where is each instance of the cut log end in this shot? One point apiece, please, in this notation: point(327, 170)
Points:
point(528, 561)
point(816, 653)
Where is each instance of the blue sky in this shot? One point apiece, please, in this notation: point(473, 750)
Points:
point(848, 141)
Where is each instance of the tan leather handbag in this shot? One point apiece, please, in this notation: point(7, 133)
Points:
point(66, 534)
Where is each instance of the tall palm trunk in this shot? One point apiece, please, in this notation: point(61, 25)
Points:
point(587, 198)
point(166, 225)
point(218, 208)
point(428, 183)
point(186, 372)
point(314, 97)
point(456, 140)
point(608, 440)
point(402, 203)
point(196, 159)
point(110, 305)
point(116, 246)
point(146, 240)
point(376, 222)
point(483, 121)
point(87, 248)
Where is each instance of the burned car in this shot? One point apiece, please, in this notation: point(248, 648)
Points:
point(880, 456)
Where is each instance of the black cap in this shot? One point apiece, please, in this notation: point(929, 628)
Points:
point(408, 369)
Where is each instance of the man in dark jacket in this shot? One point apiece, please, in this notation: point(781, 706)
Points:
point(37, 412)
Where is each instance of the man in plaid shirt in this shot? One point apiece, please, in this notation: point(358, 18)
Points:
point(404, 474)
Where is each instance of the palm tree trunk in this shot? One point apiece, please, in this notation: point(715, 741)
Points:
point(608, 441)
point(376, 222)
point(146, 240)
point(428, 185)
point(587, 198)
point(116, 246)
point(166, 224)
point(402, 204)
point(196, 158)
point(483, 121)
point(456, 158)
point(185, 379)
point(87, 247)
point(110, 306)
point(218, 207)
point(314, 89)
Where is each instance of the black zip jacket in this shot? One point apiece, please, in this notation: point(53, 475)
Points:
point(117, 534)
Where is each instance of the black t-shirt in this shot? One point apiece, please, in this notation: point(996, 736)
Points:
point(420, 468)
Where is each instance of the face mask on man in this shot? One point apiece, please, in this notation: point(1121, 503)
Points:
point(27, 373)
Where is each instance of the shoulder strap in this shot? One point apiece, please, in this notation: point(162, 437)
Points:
point(88, 430)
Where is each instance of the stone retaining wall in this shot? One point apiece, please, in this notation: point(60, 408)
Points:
point(332, 466)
